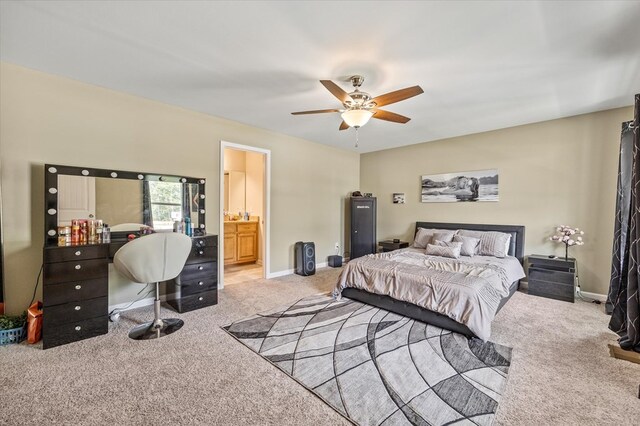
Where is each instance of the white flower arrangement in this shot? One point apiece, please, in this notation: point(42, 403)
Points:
point(569, 237)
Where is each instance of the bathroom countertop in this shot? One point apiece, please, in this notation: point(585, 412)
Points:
point(241, 221)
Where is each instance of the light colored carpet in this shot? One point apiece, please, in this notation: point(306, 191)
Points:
point(560, 372)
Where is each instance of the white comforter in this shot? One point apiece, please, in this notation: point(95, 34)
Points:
point(468, 289)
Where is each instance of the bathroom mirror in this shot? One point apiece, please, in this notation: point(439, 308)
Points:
point(123, 199)
point(235, 191)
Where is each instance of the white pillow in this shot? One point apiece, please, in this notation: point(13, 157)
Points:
point(491, 243)
point(469, 245)
point(444, 249)
point(423, 237)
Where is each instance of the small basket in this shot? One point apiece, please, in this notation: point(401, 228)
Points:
point(14, 335)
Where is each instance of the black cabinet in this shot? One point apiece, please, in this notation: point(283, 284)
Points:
point(197, 285)
point(363, 226)
point(388, 246)
point(75, 290)
point(552, 278)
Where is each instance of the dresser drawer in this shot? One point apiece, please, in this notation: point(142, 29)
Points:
point(73, 291)
point(196, 271)
point(194, 287)
point(197, 301)
point(550, 275)
point(552, 290)
point(65, 254)
point(206, 241)
point(75, 311)
point(75, 271)
point(202, 254)
point(229, 228)
point(55, 335)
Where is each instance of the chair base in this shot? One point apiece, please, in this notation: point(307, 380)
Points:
point(156, 329)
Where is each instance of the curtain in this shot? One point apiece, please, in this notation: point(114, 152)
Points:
point(620, 255)
point(147, 214)
point(623, 294)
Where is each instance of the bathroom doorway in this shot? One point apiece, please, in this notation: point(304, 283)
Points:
point(244, 213)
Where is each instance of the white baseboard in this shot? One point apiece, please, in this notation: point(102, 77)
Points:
point(147, 301)
point(291, 271)
point(595, 296)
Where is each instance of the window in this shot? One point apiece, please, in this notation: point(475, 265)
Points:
point(166, 203)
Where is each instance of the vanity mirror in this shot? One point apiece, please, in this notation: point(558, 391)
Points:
point(125, 200)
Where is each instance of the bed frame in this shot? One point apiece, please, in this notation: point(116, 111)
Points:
point(516, 249)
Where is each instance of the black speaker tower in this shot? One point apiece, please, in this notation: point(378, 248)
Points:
point(305, 258)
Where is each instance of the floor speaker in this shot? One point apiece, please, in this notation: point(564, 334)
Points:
point(305, 258)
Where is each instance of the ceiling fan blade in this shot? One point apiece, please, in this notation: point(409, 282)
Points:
point(343, 126)
point(390, 116)
point(336, 91)
point(397, 96)
point(317, 111)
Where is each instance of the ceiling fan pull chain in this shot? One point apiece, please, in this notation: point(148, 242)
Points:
point(356, 137)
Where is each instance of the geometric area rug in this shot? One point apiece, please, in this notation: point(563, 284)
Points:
point(379, 368)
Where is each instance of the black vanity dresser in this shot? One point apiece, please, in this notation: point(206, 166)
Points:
point(76, 276)
point(197, 284)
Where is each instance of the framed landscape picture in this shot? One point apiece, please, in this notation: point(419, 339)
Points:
point(481, 185)
point(398, 198)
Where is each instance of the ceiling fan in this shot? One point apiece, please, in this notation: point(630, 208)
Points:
point(359, 106)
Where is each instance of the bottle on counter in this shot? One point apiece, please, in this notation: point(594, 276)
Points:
point(99, 228)
point(187, 226)
point(246, 216)
point(106, 233)
point(177, 226)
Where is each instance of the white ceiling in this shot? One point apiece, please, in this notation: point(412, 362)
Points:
point(482, 65)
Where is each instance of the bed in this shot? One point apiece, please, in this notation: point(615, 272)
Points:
point(475, 290)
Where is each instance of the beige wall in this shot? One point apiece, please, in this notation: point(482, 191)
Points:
point(551, 173)
point(234, 160)
point(48, 119)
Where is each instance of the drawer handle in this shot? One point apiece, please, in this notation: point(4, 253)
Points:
point(78, 266)
point(201, 298)
point(78, 287)
point(78, 253)
point(200, 283)
point(200, 252)
point(78, 307)
point(78, 328)
point(200, 268)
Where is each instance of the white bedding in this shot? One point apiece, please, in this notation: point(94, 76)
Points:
point(468, 289)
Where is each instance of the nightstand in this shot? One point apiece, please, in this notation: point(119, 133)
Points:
point(552, 278)
point(389, 245)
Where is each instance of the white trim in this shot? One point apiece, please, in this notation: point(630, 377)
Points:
point(595, 296)
point(267, 208)
point(148, 301)
point(292, 271)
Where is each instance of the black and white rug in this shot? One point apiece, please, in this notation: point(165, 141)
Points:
point(379, 368)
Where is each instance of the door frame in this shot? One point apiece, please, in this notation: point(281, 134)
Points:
point(266, 208)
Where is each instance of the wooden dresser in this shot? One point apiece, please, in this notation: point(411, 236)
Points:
point(75, 293)
point(197, 285)
point(240, 242)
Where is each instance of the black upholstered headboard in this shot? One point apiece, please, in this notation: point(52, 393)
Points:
point(516, 247)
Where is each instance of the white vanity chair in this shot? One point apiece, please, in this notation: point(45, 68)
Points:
point(151, 259)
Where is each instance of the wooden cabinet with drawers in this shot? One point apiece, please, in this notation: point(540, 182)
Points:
point(197, 285)
point(240, 242)
point(74, 293)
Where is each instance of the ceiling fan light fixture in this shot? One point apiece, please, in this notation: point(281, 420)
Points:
point(356, 117)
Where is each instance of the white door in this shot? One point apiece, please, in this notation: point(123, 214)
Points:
point(76, 198)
